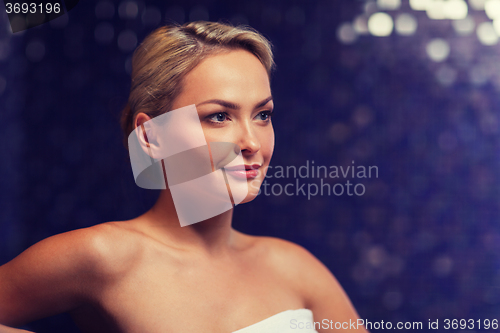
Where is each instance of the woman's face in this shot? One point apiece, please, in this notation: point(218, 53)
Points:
point(232, 95)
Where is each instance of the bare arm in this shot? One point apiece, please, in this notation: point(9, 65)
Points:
point(51, 277)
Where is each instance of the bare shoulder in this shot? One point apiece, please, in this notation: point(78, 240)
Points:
point(291, 261)
point(109, 248)
point(294, 260)
point(60, 272)
point(97, 250)
point(321, 291)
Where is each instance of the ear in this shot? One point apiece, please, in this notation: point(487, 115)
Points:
point(148, 173)
point(145, 136)
point(140, 119)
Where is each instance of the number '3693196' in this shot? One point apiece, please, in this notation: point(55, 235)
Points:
point(32, 8)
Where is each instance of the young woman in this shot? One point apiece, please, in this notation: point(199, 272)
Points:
point(150, 274)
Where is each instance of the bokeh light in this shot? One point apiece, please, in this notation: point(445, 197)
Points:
point(477, 4)
point(419, 4)
point(127, 40)
point(346, 33)
point(464, 26)
point(389, 4)
point(438, 49)
point(455, 9)
point(406, 24)
point(492, 8)
point(486, 33)
point(128, 10)
point(360, 25)
point(380, 24)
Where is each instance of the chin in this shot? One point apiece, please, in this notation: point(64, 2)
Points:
point(248, 198)
point(253, 191)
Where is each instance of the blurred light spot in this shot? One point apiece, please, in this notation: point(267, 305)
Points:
point(486, 33)
point(175, 14)
point(151, 16)
point(492, 8)
point(128, 10)
point(456, 9)
point(239, 19)
point(492, 295)
point(371, 7)
point(104, 33)
point(346, 33)
point(295, 16)
point(389, 4)
point(376, 256)
point(489, 123)
point(3, 84)
point(446, 76)
point(496, 26)
point(464, 26)
point(442, 265)
point(339, 132)
point(435, 10)
point(447, 141)
point(199, 13)
point(104, 10)
point(4, 49)
point(419, 4)
point(360, 25)
point(35, 50)
point(127, 40)
point(477, 4)
point(380, 24)
point(406, 24)
point(392, 300)
point(438, 49)
point(362, 116)
point(60, 22)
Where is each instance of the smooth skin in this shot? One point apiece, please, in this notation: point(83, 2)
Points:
point(151, 275)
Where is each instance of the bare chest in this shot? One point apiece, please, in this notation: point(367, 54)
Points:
point(196, 297)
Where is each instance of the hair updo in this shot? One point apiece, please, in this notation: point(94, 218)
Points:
point(163, 59)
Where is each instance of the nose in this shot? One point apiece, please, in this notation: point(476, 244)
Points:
point(247, 139)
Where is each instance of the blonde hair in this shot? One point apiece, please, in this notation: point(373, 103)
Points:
point(163, 59)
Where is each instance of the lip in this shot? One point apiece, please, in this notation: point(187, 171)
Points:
point(243, 171)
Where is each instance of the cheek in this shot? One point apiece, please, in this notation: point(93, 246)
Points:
point(268, 143)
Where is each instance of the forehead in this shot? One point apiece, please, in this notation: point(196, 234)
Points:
point(235, 75)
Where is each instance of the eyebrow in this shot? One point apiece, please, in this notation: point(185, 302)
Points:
point(234, 106)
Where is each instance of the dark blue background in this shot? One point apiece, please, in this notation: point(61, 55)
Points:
point(423, 241)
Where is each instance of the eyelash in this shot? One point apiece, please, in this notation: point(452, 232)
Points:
point(269, 114)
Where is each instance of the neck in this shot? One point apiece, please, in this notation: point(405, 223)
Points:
point(214, 235)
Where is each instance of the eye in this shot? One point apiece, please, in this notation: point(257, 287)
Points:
point(265, 115)
point(218, 117)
